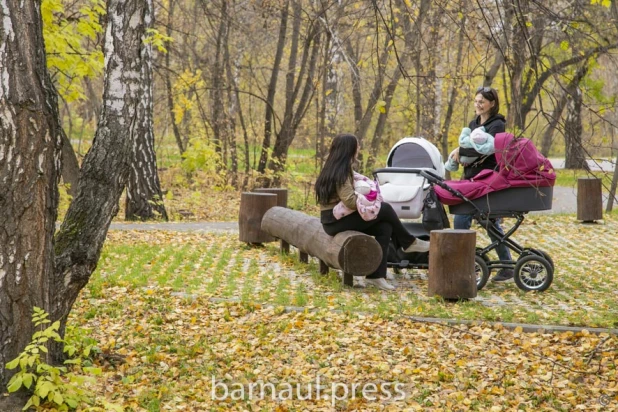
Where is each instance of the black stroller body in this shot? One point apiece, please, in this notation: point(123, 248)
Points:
point(533, 269)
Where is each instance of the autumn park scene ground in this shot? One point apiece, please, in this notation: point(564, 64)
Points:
point(131, 129)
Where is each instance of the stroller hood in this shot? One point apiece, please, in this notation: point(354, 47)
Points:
point(520, 164)
point(417, 153)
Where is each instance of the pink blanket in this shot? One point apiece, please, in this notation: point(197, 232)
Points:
point(520, 164)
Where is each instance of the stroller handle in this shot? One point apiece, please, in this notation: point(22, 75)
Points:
point(427, 174)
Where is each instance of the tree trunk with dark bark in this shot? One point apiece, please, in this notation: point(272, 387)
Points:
point(30, 145)
point(272, 88)
point(299, 90)
point(575, 156)
point(443, 140)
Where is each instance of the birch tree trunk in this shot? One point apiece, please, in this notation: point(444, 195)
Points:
point(144, 197)
point(106, 167)
point(30, 147)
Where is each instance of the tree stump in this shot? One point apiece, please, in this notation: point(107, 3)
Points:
point(282, 194)
point(589, 199)
point(253, 206)
point(451, 264)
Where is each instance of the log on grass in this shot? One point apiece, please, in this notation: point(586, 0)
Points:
point(352, 252)
point(451, 264)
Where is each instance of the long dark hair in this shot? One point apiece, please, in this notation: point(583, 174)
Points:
point(337, 168)
point(490, 94)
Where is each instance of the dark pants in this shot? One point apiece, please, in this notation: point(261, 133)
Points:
point(383, 227)
point(465, 222)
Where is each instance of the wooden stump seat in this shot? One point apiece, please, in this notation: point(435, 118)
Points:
point(281, 192)
point(252, 208)
point(451, 264)
point(589, 199)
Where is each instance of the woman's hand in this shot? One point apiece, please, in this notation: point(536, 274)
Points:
point(455, 155)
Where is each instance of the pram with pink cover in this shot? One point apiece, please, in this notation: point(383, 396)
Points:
point(523, 182)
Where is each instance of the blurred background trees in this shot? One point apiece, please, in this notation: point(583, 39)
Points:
point(243, 89)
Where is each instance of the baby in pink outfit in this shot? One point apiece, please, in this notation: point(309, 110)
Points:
point(368, 199)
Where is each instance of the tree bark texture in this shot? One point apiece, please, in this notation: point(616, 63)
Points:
point(351, 252)
point(574, 153)
point(30, 148)
point(456, 84)
point(106, 167)
point(451, 264)
point(589, 199)
point(428, 101)
point(144, 199)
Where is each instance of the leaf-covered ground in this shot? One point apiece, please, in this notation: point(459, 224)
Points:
point(189, 309)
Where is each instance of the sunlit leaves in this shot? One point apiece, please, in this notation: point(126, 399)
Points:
point(70, 37)
point(158, 39)
point(604, 3)
point(185, 90)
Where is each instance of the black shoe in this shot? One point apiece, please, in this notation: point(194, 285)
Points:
point(504, 275)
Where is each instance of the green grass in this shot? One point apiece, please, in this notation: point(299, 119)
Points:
point(583, 292)
point(569, 178)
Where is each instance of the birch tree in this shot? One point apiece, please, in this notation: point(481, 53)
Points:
point(36, 267)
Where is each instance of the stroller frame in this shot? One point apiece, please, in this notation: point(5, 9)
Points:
point(533, 269)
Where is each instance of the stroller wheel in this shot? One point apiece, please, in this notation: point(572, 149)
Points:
point(539, 252)
point(481, 271)
point(533, 272)
point(547, 258)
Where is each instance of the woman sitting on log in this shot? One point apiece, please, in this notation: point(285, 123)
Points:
point(336, 183)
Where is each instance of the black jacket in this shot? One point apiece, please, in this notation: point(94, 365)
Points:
point(493, 125)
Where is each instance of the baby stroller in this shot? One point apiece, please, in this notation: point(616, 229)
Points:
point(413, 165)
point(533, 270)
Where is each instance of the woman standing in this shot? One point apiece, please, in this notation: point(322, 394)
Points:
point(488, 120)
point(335, 184)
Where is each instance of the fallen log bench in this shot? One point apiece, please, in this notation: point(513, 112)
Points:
point(354, 253)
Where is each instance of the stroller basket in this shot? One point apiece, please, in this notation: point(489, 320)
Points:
point(507, 201)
